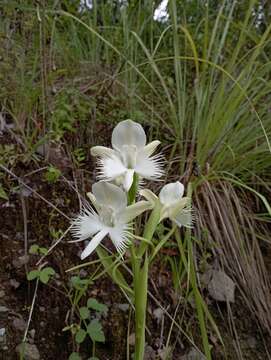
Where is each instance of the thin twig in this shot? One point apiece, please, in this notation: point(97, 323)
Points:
point(31, 310)
point(54, 245)
point(33, 191)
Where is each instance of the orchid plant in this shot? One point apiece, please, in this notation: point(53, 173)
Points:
point(115, 206)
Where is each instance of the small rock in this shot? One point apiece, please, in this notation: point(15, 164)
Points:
point(2, 293)
point(14, 283)
point(3, 338)
point(42, 308)
point(3, 309)
point(21, 261)
point(19, 324)
point(221, 287)
point(158, 314)
point(131, 339)
point(165, 352)
point(193, 354)
point(28, 351)
point(150, 353)
point(123, 307)
point(32, 333)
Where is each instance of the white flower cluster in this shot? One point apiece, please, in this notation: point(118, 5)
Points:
point(129, 158)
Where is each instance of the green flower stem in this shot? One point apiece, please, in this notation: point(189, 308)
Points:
point(140, 272)
point(149, 230)
point(140, 289)
point(141, 282)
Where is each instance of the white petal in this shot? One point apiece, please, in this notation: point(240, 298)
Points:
point(110, 195)
point(128, 179)
point(149, 167)
point(128, 132)
point(184, 218)
point(86, 224)
point(151, 147)
point(102, 151)
point(134, 210)
point(94, 243)
point(120, 237)
point(111, 168)
point(173, 209)
point(171, 193)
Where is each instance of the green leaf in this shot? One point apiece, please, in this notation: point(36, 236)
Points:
point(34, 249)
point(80, 336)
point(78, 283)
point(84, 312)
point(33, 275)
point(75, 356)
point(45, 274)
point(3, 194)
point(95, 305)
point(95, 331)
point(43, 250)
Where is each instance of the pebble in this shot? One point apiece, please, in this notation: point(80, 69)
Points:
point(14, 283)
point(22, 260)
point(29, 351)
point(3, 309)
point(19, 324)
point(123, 307)
point(2, 293)
point(3, 337)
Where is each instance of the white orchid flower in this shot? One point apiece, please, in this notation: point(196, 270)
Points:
point(172, 203)
point(112, 217)
point(129, 155)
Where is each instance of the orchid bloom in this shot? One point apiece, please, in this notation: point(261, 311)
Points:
point(112, 217)
point(130, 155)
point(172, 203)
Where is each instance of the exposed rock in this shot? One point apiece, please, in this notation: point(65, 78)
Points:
point(3, 338)
point(28, 351)
point(21, 261)
point(14, 283)
point(158, 314)
point(123, 307)
point(19, 324)
point(4, 309)
point(150, 353)
point(221, 287)
point(131, 339)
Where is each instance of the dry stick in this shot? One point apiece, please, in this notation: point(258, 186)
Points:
point(31, 310)
point(54, 245)
point(33, 191)
point(25, 222)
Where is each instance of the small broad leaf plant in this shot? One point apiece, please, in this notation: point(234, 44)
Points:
point(114, 207)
